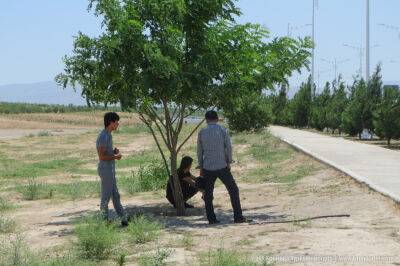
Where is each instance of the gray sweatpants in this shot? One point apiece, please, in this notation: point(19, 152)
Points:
point(109, 190)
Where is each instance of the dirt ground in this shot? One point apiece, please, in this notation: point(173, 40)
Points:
point(371, 230)
point(14, 126)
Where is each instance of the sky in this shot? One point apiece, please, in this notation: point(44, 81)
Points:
point(35, 35)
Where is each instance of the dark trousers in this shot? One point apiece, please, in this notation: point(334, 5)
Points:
point(187, 192)
point(227, 179)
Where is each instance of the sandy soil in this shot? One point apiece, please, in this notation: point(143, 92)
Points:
point(371, 230)
point(19, 133)
point(14, 126)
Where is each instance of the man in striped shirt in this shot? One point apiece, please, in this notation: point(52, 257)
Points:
point(214, 152)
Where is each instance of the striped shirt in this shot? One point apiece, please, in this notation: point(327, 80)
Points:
point(214, 148)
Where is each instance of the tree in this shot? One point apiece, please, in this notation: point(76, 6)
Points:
point(387, 115)
point(319, 110)
point(374, 96)
point(252, 112)
point(337, 106)
point(300, 106)
point(357, 114)
point(280, 106)
point(175, 57)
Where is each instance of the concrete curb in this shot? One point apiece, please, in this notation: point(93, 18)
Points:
point(342, 169)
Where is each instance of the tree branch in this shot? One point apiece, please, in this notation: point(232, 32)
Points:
point(154, 112)
point(173, 115)
point(178, 128)
point(166, 140)
point(157, 142)
point(168, 121)
point(190, 135)
point(194, 111)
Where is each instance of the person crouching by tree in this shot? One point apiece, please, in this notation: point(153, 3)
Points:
point(187, 181)
point(106, 168)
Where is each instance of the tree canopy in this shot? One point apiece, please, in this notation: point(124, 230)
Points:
point(177, 56)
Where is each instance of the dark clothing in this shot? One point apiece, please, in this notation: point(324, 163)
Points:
point(188, 191)
point(227, 179)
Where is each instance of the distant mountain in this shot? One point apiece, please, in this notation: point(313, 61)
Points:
point(47, 92)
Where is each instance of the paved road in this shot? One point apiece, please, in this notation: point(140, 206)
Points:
point(378, 167)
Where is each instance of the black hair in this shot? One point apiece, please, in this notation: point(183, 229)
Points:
point(185, 163)
point(211, 115)
point(110, 117)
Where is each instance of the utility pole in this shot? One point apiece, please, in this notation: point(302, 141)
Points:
point(360, 52)
point(313, 40)
point(367, 46)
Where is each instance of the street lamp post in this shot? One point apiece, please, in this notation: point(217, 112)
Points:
point(391, 27)
point(360, 54)
point(335, 64)
point(313, 40)
point(360, 51)
point(367, 45)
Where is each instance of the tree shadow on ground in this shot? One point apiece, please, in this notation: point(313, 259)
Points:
point(166, 214)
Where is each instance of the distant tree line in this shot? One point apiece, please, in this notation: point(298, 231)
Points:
point(20, 108)
point(342, 109)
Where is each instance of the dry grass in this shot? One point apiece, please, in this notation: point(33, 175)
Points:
point(61, 121)
point(275, 183)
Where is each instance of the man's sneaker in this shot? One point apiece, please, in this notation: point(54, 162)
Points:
point(124, 223)
point(242, 220)
point(214, 222)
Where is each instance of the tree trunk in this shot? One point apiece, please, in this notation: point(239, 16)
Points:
point(177, 190)
point(388, 142)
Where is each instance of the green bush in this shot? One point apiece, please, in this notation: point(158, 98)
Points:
point(43, 134)
point(142, 230)
point(221, 257)
point(300, 105)
point(386, 118)
point(75, 190)
point(96, 239)
point(16, 253)
point(151, 177)
point(155, 260)
point(5, 205)
point(136, 129)
point(7, 225)
point(67, 260)
point(250, 113)
point(34, 191)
